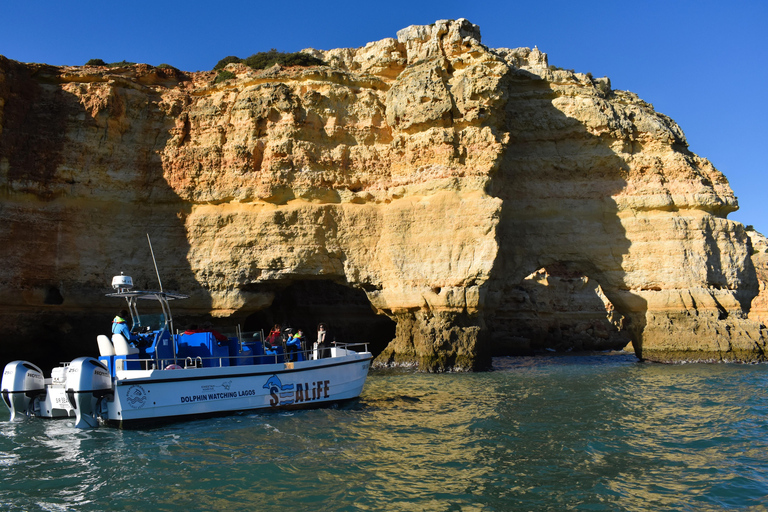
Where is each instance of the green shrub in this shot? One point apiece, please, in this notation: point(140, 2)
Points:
point(263, 60)
point(99, 62)
point(227, 60)
point(167, 66)
point(749, 227)
point(224, 75)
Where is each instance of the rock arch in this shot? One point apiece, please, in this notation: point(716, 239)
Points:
point(556, 308)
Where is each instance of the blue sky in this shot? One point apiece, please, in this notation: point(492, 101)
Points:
point(703, 63)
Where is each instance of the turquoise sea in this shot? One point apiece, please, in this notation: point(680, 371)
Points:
point(538, 433)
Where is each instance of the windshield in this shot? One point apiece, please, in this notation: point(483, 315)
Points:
point(154, 322)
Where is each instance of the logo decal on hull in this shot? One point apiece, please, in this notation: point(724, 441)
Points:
point(279, 391)
point(287, 394)
point(136, 396)
point(212, 387)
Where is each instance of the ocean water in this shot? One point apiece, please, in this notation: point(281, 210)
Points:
point(540, 433)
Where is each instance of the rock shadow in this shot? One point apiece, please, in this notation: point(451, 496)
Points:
point(556, 181)
point(82, 185)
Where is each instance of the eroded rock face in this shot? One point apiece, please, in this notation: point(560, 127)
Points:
point(482, 203)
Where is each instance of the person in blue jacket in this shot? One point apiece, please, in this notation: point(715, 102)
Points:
point(294, 344)
point(119, 325)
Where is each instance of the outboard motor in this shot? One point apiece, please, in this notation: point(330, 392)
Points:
point(88, 381)
point(22, 383)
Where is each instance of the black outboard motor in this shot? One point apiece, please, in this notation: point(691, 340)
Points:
point(22, 383)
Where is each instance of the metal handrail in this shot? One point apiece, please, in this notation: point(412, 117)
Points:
point(192, 362)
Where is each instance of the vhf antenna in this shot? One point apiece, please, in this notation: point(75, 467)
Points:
point(155, 263)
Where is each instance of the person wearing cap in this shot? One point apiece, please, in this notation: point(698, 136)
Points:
point(119, 325)
point(294, 344)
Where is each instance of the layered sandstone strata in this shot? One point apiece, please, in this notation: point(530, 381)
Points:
point(449, 200)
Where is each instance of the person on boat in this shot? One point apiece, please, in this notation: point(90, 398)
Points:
point(294, 344)
point(275, 336)
point(193, 329)
point(323, 341)
point(119, 326)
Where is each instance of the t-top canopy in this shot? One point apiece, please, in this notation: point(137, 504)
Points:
point(147, 295)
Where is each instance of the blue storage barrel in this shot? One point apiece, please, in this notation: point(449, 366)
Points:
point(270, 355)
point(244, 357)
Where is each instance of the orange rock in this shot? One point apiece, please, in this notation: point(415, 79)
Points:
point(430, 172)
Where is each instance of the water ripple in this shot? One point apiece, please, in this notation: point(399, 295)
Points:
point(561, 433)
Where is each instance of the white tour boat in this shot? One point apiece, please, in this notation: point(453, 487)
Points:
point(169, 376)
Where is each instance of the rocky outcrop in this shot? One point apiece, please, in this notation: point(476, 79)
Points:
point(758, 311)
point(442, 199)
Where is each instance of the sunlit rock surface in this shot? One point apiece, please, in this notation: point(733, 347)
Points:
point(443, 200)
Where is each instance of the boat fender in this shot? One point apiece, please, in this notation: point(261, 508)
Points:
point(173, 367)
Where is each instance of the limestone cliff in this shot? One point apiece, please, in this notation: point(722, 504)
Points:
point(441, 199)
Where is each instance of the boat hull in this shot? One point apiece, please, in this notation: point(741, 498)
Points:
point(135, 398)
point(157, 396)
point(55, 403)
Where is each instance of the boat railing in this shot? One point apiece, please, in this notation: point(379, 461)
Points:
point(335, 350)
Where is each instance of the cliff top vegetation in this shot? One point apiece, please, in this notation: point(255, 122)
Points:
point(263, 60)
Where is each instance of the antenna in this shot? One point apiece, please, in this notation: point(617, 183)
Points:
point(155, 262)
